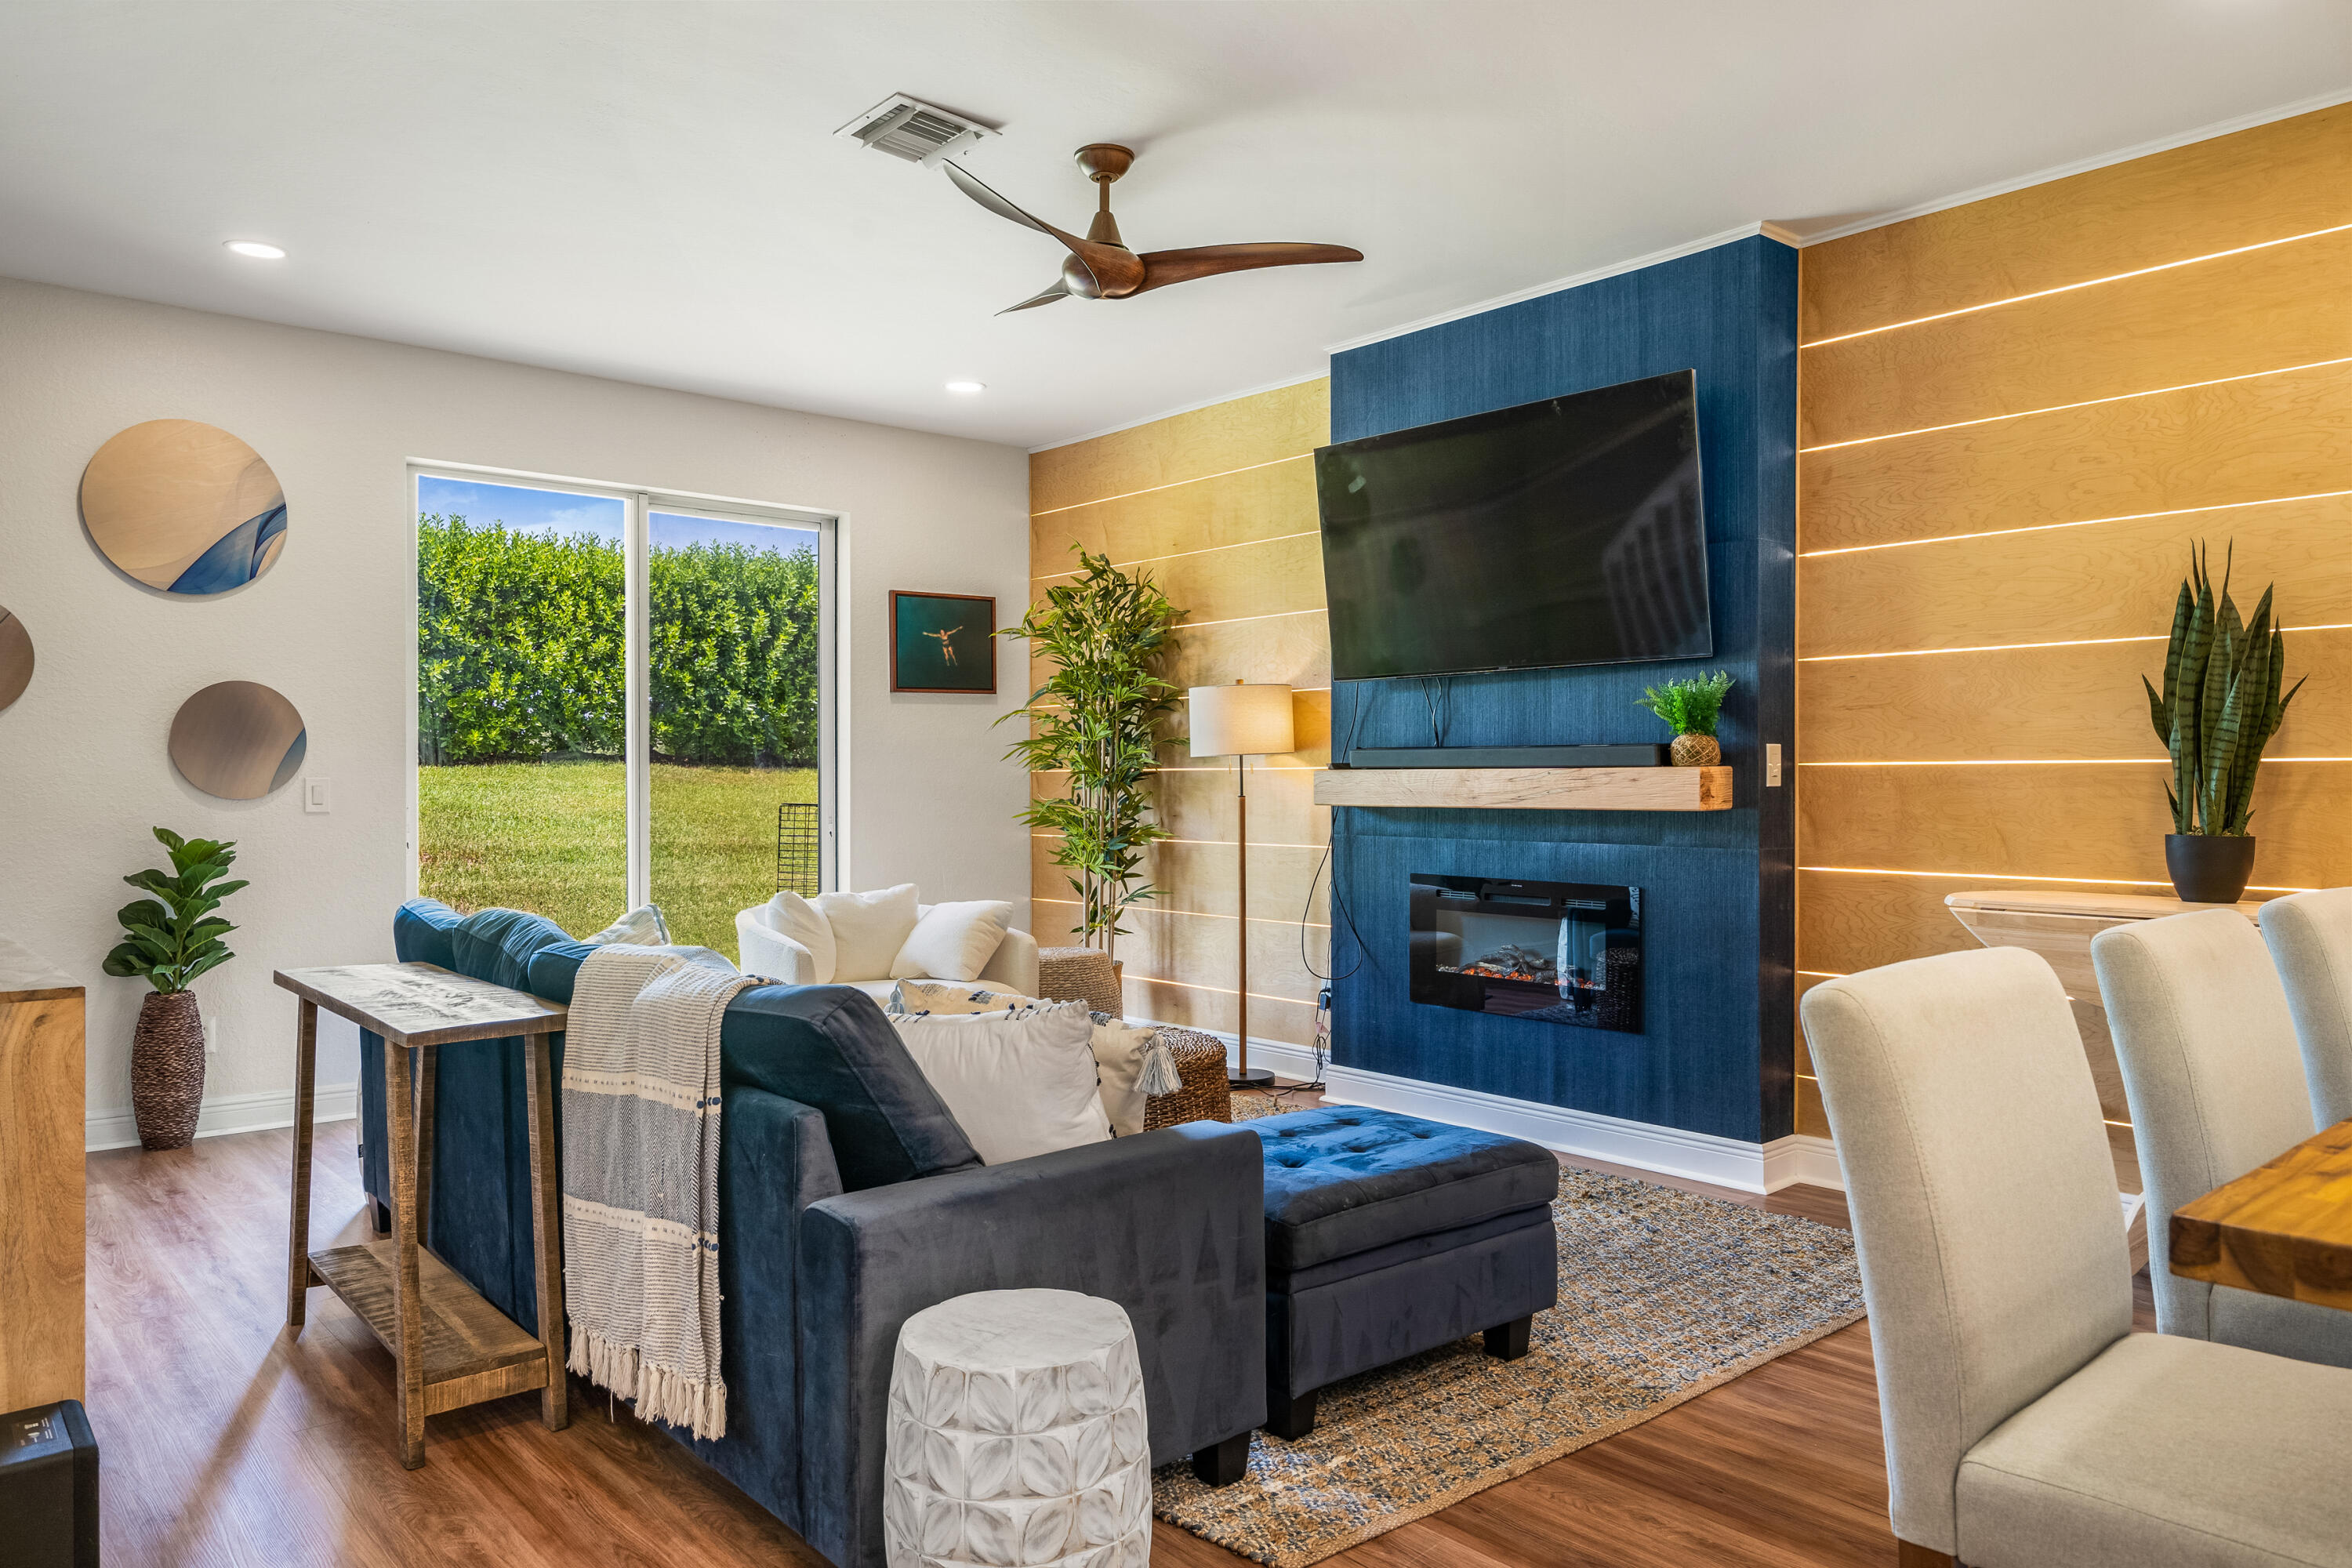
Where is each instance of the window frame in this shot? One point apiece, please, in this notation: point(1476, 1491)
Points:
point(638, 502)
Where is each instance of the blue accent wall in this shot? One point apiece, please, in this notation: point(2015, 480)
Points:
point(1718, 887)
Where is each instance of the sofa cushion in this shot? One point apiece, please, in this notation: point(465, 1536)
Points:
point(1343, 1178)
point(827, 1047)
point(497, 945)
point(793, 917)
point(421, 929)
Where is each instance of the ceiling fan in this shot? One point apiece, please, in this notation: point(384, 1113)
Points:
point(1101, 267)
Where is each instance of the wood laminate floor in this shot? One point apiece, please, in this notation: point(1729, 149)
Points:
point(227, 1441)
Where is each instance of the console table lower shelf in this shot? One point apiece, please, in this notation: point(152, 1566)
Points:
point(471, 1351)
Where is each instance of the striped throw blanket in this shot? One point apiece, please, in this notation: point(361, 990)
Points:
point(641, 1179)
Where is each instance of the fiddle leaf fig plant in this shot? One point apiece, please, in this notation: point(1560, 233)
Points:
point(2221, 702)
point(171, 936)
point(1096, 720)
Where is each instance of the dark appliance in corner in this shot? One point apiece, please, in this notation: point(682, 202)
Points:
point(1549, 952)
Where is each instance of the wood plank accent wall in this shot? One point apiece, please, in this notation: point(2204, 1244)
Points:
point(2014, 417)
point(1218, 505)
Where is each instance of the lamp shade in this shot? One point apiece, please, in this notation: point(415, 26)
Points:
point(1240, 721)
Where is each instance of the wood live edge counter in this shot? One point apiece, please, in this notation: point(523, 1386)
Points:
point(452, 1348)
point(2283, 1228)
point(1529, 789)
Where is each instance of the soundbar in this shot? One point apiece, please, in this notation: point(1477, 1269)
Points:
point(1506, 757)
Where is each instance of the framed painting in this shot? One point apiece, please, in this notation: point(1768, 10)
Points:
point(942, 642)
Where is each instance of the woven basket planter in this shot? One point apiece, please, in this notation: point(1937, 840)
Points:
point(1200, 1063)
point(1081, 974)
point(167, 1069)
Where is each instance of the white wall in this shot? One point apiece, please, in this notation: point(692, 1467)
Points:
point(83, 771)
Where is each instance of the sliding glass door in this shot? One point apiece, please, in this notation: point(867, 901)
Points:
point(622, 696)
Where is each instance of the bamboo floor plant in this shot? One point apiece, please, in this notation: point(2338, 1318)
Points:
point(1096, 720)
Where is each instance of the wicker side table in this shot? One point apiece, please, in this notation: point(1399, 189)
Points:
point(1081, 974)
point(1200, 1063)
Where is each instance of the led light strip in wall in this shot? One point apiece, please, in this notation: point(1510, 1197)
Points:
point(2085, 403)
point(2071, 288)
point(1182, 554)
point(1283, 920)
point(1174, 484)
point(2080, 522)
point(2017, 877)
point(2012, 647)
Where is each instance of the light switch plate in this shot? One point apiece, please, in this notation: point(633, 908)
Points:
point(316, 796)
point(1772, 764)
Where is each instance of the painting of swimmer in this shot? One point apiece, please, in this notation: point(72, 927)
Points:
point(942, 642)
point(184, 507)
point(237, 739)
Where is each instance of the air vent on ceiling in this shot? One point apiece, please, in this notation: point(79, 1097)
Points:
point(911, 128)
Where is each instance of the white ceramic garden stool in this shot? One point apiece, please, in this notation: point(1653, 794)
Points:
point(1017, 1438)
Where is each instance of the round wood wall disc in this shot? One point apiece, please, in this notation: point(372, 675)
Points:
point(15, 657)
point(184, 507)
point(237, 739)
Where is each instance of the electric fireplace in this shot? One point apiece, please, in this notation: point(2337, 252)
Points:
point(1551, 953)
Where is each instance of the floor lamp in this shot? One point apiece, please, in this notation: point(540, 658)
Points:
point(1241, 722)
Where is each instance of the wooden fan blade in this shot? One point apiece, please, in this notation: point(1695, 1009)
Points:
point(1161, 267)
point(1114, 270)
point(1060, 290)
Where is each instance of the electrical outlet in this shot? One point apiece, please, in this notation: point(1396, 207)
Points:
point(315, 797)
point(1772, 764)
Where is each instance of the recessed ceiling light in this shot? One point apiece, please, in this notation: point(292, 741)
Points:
point(256, 250)
point(968, 387)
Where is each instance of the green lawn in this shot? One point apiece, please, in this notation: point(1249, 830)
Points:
point(551, 837)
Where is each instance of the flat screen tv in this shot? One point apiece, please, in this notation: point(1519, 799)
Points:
point(1565, 531)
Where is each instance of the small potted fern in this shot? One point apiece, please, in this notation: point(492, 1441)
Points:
point(2220, 706)
point(1690, 709)
point(169, 937)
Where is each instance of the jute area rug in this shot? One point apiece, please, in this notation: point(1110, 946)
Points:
point(1663, 1296)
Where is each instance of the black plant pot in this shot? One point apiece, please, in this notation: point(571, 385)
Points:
point(2208, 867)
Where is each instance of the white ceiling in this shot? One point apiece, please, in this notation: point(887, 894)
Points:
point(651, 190)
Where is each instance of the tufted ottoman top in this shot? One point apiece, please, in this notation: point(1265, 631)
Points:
point(1343, 1178)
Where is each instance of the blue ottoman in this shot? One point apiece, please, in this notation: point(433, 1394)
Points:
point(1385, 1235)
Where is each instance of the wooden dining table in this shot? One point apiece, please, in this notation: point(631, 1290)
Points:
point(2283, 1228)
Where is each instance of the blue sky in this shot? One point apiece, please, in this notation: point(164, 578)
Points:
point(528, 510)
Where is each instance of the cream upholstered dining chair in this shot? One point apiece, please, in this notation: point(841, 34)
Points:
point(2210, 1064)
point(2310, 937)
point(2025, 1424)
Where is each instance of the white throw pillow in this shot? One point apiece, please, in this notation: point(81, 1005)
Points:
point(933, 997)
point(952, 942)
point(796, 917)
point(1018, 1083)
point(1119, 1047)
point(869, 930)
point(641, 927)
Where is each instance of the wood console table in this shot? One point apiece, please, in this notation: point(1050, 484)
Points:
point(41, 1132)
point(453, 1348)
point(2060, 926)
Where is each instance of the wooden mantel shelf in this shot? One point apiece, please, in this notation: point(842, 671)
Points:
point(1529, 789)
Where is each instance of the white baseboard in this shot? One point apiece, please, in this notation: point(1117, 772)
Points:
point(226, 1113)
point(1669, 1151)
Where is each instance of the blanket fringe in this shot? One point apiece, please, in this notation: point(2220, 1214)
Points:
point(659, 1393)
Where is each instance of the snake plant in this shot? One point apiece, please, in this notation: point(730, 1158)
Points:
point(2221, 702)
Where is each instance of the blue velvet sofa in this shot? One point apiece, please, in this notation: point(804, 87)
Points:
point(849, 1200)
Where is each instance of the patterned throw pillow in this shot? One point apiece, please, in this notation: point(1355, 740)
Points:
point(918, 996)
point(1019, 1082)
